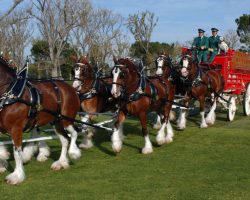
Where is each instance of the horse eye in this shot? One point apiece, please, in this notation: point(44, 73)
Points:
point(121, 75)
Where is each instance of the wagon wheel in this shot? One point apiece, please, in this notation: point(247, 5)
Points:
point(246, 100)
point(231, 109)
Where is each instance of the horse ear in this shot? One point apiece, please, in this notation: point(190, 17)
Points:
point(73, 58)
point(114, 59)
point(165, 53)
point(86, 57)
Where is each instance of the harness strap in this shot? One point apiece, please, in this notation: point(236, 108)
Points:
point(59, 101)
point(35, 107)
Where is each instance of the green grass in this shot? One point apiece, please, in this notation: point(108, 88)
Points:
point(211, 163)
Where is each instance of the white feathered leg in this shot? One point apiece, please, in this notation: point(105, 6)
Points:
point(4, 156)
point(158, 124)
point(210, 119)
point(30, 148)
point(63, 161)
point(87, 136)
point(18, 175)
point(148, 148)
point(74, 151)
point(44, 151)
point(181, 122)
point(170, 133)
point(203, 121)
point(160, 138)
point(87, 140)
point(117, 138)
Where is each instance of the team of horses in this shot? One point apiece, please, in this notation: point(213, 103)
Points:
point(128, 91)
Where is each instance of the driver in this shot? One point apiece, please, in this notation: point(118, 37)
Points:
point(200, 47)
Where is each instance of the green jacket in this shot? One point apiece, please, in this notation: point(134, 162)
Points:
point(214, 42)
point(199, 42)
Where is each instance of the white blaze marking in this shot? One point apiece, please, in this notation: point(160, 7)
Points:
point(114, 90)
point(77, 82)
point(159, 66)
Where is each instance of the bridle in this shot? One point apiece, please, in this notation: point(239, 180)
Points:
point(185, 65)
point(85, 71)
point(121, 74)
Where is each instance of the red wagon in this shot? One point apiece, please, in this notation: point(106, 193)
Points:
point(234, 66)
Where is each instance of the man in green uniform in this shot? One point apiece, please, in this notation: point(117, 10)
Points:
point(200, 47)
point(214, 41)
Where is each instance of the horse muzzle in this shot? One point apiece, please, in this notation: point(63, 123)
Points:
point(184, 72)
point(77, 85)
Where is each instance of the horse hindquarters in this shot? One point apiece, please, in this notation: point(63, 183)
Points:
point(69, 107)
point(60, 99)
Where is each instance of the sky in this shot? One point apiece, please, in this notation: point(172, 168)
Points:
point(178, 19)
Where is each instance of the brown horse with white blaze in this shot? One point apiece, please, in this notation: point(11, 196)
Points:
point(94, 93)
point(202, 84)
point(138, 96)
point(58, 99)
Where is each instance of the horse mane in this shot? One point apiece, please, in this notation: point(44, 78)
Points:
point(84, 60)
point(7, 65)
point(131, 63)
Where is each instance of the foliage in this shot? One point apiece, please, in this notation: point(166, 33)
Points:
point(141, 26)
point(155, 48)
point(243, 30)
point(40, 53)
point(40, 50)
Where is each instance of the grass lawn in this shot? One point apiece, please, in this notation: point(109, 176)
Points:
point(212, 163)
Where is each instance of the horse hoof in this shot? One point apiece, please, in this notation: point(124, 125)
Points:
point(181, 128)
point(168, 140)
point(41, 158)
point(4, 154)
point(117, 146)
point(2, 170)
point(160, 141)
point(75, 155)
point(85, 146)
point(116, 149)
point(26, 158)
point(43, 155)
point(147, 150)
point(58, 165)
point(203, 126)
point(14, 179)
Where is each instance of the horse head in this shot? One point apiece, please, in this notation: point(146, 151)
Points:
point(187, 66)
point(123, 73)
point(81, 71)
point(163, 65)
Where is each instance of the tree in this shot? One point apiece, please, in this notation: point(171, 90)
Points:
point(20, 35)
point(40, 50)
point(82, 35)
point(55, 20)
point(232, 39)
point(141, 26)
point(243, 30)
point(40, 53)
point(99, 33)
point(11, 9)
point(155, 48)
point(15, 35)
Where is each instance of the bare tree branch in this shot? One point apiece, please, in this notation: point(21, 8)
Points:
point(11, 9)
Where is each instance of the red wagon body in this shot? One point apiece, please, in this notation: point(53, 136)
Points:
point(234, 66)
